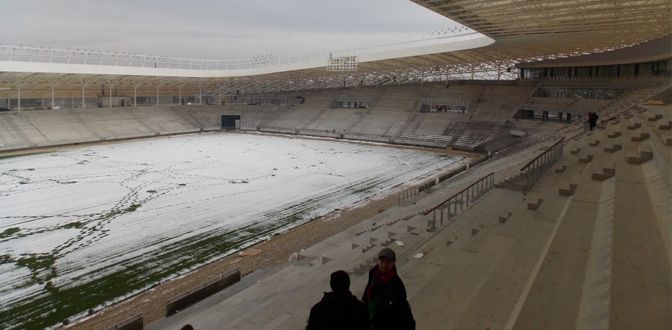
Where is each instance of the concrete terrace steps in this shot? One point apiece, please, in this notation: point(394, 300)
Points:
point(438, 140)
point(303, 115)
point(659, 150)
point(502, 103)
point(583, 300)
point(603, 301)
point(660, 195)
point(384, 115)
point(24, 130)
point(558, 286)
point(476, 134)
point(641, 261)
point(490, 282)
point(49, 128)
point(584, 242)
point(7, 135)
point(465, 252)
point(144, 119)
point(14, 137)
point(208, 117)
point(187, 118)
point(92, 132)
point(394, 114)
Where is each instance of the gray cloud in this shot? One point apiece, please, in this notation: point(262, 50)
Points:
point(213, 29)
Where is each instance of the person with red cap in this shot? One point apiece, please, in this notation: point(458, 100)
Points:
point(385, 295)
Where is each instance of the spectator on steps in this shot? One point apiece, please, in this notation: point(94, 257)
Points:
point(385, 295)
point(592, 120)
point(338, 309)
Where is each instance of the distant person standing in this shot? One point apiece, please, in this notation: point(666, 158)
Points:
point(592, 120)
point(385, 295)
point(339, 309)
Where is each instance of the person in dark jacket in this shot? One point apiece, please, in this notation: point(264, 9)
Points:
point(339, 309)
point(385, 295)
point(592, 120)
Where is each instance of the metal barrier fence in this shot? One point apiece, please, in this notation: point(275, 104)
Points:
point(134, 322)
point(537, 167)
point(202, 291)
point(461, 201)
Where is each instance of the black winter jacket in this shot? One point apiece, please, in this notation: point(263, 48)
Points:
point(338, 311)
point(390, 310)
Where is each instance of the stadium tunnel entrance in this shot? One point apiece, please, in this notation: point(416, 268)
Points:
point(230, 121)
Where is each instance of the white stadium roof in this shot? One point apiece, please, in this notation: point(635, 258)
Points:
point(514, 31)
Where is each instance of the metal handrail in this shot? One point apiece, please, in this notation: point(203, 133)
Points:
point(204, 285)
point(537, 167)
point(126, 322)
point(542, 154)
point(467, 196)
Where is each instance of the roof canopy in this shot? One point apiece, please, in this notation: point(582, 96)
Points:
point(523, 31)
point(655, 50)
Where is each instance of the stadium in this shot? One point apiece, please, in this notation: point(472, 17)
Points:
point(142, 191)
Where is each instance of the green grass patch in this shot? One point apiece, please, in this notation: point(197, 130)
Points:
point(133, 207)
point(6, 259)
point(9, 232)
point(56, 304)
point(73, 225)
point(17, 154)
point(37, 262)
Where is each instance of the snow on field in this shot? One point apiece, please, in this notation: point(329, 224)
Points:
point(71, 217)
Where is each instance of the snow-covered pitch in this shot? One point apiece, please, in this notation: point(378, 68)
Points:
point(139, 212)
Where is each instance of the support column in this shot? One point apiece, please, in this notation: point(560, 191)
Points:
point(19, 81)
point(110, 88)
point(135, 96)
point(83, 82)
point(499, 70)
point(157, 95)
point(179, 95)
point(53, 103)
point(18, 94)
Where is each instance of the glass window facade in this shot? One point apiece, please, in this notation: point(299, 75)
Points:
point(657, 68)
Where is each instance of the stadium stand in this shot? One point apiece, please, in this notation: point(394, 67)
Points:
point(551, 226)
point(39, 128)
point(516, 259)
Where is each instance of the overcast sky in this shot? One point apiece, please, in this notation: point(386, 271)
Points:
point(212, 29)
